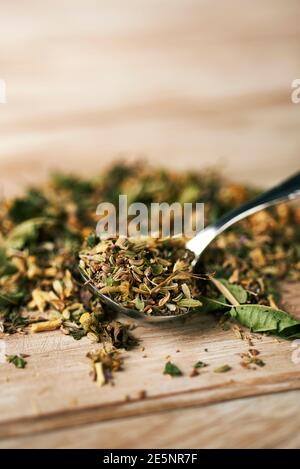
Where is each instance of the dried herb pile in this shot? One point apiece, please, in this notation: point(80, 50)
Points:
point(42, 233)
point(153, 276)
point(156, 277)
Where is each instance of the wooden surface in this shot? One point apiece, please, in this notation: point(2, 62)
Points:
point(262, 422)
point(196, 83)
point(54, 402)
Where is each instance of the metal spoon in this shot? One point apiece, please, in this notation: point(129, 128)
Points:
point(287, 190)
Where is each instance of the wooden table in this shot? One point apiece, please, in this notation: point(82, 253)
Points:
point(54, 402)
point(195, 84)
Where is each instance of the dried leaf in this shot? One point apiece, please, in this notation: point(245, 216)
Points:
point(222, 369)
point(200, 364)
point(260, 318)
point(189, 303)
point(17, 360)
point(172, 370)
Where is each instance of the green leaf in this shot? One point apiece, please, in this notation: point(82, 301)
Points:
point(157, 269)
point(72, 183)
point(6, 267)
point(237, 291)
point(261, 318)
point(32, 205)
point(92, 240)
point(210, 305)
point(139, 304)
point(8, 299)
point(26, 232)
point(17, 360)
point(77, 334)
point(172, 370)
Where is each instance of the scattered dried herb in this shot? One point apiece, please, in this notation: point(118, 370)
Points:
point(142, 394)
point(238, 331)
point(172, 370)
point(200, 364)
point(42, 233)
point(222, 369)
point(251, 358)
point(194, 373)
point(105, 363)
point(17, 360)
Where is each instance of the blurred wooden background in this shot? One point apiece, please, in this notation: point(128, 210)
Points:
point(191, 84)
point(187, 84)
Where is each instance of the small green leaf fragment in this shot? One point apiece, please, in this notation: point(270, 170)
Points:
point(77, 334)
point(157, 269)
point(16, 360)
point(139, 304)
point(259, 362)
point(172, 370)
point(200, 364)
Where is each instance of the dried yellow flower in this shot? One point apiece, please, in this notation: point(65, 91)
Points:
point(46, 326)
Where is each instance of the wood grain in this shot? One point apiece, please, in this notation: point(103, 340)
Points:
point(55, 392)
point(193, 84)
point(196, 83)
point(262, 422)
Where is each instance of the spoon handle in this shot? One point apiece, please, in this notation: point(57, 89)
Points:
point(287, 190)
